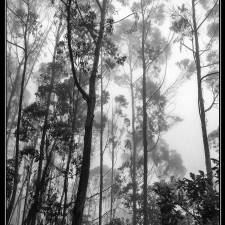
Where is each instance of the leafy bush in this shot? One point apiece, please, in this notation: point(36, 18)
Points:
point(189, 198)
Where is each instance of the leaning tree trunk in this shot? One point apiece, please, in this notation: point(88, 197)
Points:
point(145, 143)
point(85, 167)
point(201, 100)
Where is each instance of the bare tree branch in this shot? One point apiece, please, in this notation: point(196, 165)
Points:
point(155, 90)
point(209, 75)
point(213, 102)
point(15, 45)
point(161, 52)
point(209, 43)
point(99, 5)
point(187, 47)
point(123, 18)
point(15, 14)
point(102, 191)
point(210, 64)
point(102, 215)
point(63, 2)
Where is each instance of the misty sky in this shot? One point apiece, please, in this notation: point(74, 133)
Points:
point(186, 136)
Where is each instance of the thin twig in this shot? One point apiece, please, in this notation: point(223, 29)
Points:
point(209, 75)
point(210, 64)
point(99, 5)
point(207, 15)
point(102, 191)
point(187, 47)
point(15, 45)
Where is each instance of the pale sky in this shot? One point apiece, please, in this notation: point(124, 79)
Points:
point(186, 136)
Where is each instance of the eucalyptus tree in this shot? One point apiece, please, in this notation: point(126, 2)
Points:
point(131, 41)
point(142, 38)
point(108, 63)
point(188, 29)
point(165, 164)
point(64, 120)
point(20, 37)
point(115, 138)
point(49, 77)
point(78, 14)
point(25, 34)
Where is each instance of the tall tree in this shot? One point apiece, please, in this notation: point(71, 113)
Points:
point(28, 20)
point(90, 99)
point(112, 168)
point(31, 218)
point(186, 26)
point(36, 38)
point(101, 150)
point(200, 97)
point(144, 125)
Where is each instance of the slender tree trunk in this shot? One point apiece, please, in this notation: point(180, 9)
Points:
point(31, 218)
point(112, 175)
point(27, 190)
point(14, 88)
point(101, 152)
point(85, 167)
point(134, 151)
point(70, 156)
point(10, 129)
point(134, 160)
point(15, 178)
point(21, 193)
point(36, 57)
point(61, 200)
point(145, 143)
point(201, 100)
point(29, 172)
point(19, 198)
